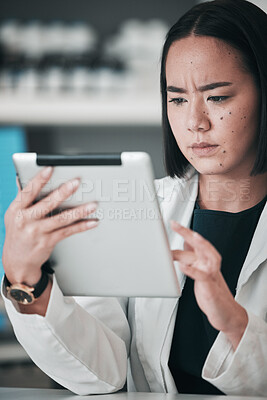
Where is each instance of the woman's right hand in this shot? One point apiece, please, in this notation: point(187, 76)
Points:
point(31, 234)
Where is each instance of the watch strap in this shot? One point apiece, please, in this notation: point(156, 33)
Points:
point(39, 287)
point(48, 266)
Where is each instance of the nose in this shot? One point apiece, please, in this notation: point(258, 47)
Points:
point(198, 119)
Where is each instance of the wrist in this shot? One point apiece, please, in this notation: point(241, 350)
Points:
point(26, 294)
point(237, 327)
point(27, 278)
point(40, 305)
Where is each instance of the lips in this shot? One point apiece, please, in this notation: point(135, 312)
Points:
point(203, 148)
point(202, 144)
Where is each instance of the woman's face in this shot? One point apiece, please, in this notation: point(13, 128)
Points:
point(212, 105)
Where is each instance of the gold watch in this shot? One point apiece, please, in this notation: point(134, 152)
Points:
point(25, 294)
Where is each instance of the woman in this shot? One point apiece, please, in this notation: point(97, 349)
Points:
point(213, 340)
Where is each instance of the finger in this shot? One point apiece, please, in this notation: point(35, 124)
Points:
point(207, 257)
point(18, 184)
point(78, 227)
point(186, 257)
point(194, 273)
point(55, 198)
point(68, 217)
point(195, 240)
point(190, 259)
point(188, 247)
point(27, 195)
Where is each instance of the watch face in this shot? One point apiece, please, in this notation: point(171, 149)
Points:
point(21, 296)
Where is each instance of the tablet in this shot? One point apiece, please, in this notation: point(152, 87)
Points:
point(128, 253)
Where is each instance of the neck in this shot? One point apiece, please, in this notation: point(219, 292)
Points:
point(221, 193)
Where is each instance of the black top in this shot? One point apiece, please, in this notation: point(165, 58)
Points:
point(231, 234)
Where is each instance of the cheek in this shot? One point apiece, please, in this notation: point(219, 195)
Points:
point(176, 122)
point(172, 118)
point(243, 116)
point(239, 124)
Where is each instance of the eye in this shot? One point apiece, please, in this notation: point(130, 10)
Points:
point(218, 99)
point(178, 100)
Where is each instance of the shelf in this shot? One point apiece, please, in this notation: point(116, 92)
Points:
point(101, 109)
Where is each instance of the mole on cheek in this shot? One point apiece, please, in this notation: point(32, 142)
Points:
point(221, 118)
point(220, 165)
point(229, 113)
point(224, 151)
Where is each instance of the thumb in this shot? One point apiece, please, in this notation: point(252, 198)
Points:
point(18, 184)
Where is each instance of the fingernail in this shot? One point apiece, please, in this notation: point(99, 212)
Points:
point(91, 224)
point(71, 185)
point(91, 206)
point(47, 172)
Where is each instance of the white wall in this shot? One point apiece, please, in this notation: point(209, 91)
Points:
point(260, 3)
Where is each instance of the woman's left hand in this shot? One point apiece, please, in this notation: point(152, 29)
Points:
point(201, 261)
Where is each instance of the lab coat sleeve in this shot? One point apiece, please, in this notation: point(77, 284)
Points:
point(243, 371)
point(81, 343)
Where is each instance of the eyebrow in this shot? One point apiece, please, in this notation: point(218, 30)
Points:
point(209, 86)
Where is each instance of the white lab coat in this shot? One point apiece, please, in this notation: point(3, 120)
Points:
point(83, 342)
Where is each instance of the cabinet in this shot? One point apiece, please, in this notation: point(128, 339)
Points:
point(45, 116)
point(85, 121)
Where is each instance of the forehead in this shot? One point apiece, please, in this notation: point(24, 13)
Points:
point(203, 55)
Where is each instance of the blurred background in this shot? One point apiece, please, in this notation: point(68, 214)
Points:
point(76, 76)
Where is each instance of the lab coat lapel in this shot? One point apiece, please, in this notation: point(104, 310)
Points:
point(181, 209)
point(257, 253)
point(177, 204)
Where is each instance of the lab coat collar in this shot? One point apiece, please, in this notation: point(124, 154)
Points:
point(257, 253)
point(178, 200)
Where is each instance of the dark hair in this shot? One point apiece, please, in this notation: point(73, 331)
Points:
point(242, 25)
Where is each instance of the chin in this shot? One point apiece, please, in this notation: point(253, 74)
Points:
point(206, 169)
